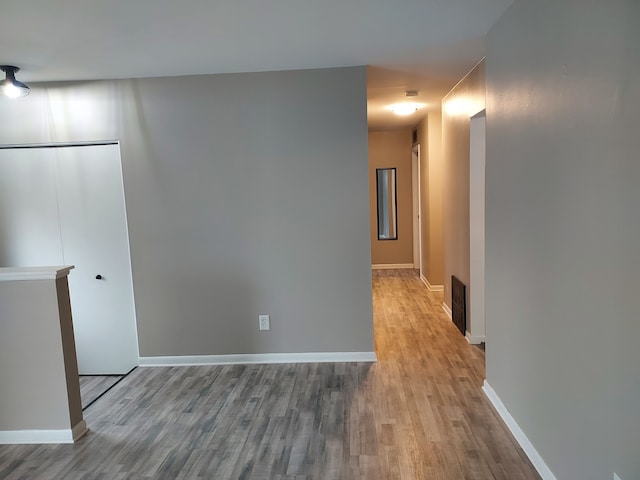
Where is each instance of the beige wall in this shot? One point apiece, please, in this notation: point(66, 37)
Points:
point(562, 231)
point(386, 150)
point(431, 179)
point(465, 100)
point(436, 183)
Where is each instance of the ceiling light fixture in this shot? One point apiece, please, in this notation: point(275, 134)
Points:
point(404, 109)
point(10, 87)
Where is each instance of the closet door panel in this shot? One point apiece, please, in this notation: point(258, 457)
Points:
point(29, 225)
point(95, 239)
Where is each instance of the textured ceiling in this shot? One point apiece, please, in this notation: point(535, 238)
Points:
point(408, 44)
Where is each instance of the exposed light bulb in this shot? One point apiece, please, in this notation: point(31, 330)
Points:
point(11, 91)
point(10, 87)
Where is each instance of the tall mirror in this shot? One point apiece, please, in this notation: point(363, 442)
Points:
point(387, 198)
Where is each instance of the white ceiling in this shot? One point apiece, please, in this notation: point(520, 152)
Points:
point(408, 44)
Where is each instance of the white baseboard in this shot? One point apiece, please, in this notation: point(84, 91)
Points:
point(535, 458)
point(9, 437)
point(475, 339)
point(447, 310)
point(71, 435)
point(313, 357)
point(391, 266)
point(432, 288)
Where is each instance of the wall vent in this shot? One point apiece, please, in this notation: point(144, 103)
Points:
point(459, 304)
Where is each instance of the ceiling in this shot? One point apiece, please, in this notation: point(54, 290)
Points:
point(425, 45)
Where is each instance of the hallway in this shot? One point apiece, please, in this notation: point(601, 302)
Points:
point(416, 414)
point(437, 421)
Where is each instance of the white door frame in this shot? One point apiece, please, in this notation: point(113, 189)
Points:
point(476, 331)
point(417, 208)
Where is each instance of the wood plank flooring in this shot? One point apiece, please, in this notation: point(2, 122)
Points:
point(418, 413)
point(92, 386)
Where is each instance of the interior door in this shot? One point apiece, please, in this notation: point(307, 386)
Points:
point(65, 206)
point(95, 240)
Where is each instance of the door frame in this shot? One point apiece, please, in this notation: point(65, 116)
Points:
point(417, 208)
point(476, 328)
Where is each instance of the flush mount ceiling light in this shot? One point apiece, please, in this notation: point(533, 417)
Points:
point(10, 87)
point(405, 109)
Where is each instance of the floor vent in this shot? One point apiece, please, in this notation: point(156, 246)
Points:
point(459, 304)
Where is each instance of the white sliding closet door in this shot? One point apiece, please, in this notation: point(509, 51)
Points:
point(95, 240)
point(29, 226)
point(72, 202)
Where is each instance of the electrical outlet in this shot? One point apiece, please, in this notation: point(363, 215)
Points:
point(263, 320)
point(616, 477)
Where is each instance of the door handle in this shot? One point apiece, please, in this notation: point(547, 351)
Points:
point(98, 277)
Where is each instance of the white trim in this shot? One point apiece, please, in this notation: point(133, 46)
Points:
point(447, 310)
point(312, 357)
point(477, 167)
point(475, 339)
point(391, 266)
point(9, 437)
point(415, 204)
point(79, 430)
point(432, 288)
point(535, 458)
point(8, 274)
point(41, 437)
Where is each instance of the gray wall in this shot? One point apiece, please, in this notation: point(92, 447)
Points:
point(436, 173)
point(246, 194)
point(32, 367)
point(563, 230)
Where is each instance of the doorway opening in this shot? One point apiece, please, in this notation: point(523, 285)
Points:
point(64, 205)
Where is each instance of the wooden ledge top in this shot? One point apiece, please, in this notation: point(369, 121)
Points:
point(13, 274)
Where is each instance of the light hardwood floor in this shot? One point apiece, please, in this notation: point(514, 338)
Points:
point(418, 413)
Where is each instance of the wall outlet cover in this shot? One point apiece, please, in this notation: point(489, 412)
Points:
point(264, 322)
point(616, 477)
